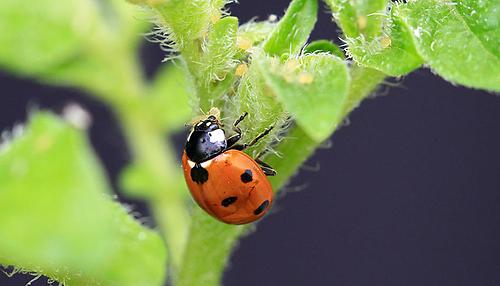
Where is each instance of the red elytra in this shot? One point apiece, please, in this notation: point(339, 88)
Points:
point(236, 191)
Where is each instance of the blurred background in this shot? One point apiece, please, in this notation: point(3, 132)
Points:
point(406, 193)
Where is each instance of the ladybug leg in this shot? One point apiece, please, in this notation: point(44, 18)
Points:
point(268, 170)
point(231, 141)
point(242, 147)
point(260, 136)
point(240, 119)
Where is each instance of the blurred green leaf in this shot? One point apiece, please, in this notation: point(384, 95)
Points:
point(293, 29)
point(459, 50)
point(124, 22)
point(312, 88)
point(169, 97)
point(80, 43)
point(361, 17)
point(324, 46)
point(58, 218)
point(36, 36)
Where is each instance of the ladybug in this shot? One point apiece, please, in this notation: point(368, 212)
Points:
point(227, 183)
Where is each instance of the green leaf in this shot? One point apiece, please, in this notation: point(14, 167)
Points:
point(169, 97)
point(77, 43)
point(254, 97)
point(458, 52)
point(217, 62)
point(58, 218)
point(124, 23)
point(363, 82)
point(37, 36)
point(324, 46)
point(393, 52)
point(254, 33)
point(293, 29)
point(188, 20)
point(375, 38)
point(361, 17)
point(482, 18)
point(220, 49)
point(312, 88)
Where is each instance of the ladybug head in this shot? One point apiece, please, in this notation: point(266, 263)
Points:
point(206, 140)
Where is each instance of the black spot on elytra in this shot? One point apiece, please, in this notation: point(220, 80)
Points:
point(228, 201)
point(261, 208)
point(246, 177)
point(199, 174)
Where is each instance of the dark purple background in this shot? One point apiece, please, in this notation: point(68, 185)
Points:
point(408, 194)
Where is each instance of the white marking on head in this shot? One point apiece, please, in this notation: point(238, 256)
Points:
point(208, 123)
point(189, 136)
point(206, 163)
point(191, 163)
point(217, 136)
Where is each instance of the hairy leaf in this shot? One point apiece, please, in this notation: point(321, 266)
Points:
point(361, 17)
point(293, 29)
point(483, 19)
point(253, 33)
point(58, 218)
point(324, 46)
point(254, 97)
point(187, 20)
point(392, 52)
point(215, 68)
point(363, 82)
point(312, 88)
point(452, 48)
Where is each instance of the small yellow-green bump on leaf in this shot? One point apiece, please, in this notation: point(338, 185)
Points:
point(241, 69)
point(385, 42)
point(243, 43)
